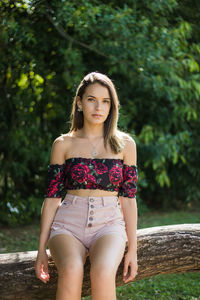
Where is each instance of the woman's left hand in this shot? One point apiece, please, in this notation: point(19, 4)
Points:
point(130, 261)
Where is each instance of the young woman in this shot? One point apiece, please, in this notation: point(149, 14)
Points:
point(93, 167)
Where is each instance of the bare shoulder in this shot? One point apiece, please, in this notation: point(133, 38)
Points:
point(59, 150)
point(63, 139)
point(129, 141)
point(129, 151)
point(62, 142)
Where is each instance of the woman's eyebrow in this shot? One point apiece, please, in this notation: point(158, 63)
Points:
point(95, 97)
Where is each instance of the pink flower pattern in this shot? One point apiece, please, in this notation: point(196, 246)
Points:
point(55, 181)
point(86, 173)
point(130, 178)
point(115, 175)
point(100, 168)
point(79, 172)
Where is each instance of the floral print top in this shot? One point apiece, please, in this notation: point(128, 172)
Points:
point(87, 173)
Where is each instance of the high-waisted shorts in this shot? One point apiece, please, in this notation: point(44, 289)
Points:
point(88, 218)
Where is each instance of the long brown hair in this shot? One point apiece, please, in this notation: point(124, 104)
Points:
point(112, 134)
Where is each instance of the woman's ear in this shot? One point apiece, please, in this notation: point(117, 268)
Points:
point(79, 102)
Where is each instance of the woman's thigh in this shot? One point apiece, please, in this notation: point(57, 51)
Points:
point(107, 252)
point(66, 249)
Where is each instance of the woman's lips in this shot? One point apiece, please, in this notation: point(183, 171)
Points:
point(96, 115)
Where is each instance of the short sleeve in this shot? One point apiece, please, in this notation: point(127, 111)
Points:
point(55, 181)
point(128, 187)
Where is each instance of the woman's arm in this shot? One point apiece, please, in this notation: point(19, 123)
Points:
point(129, 209)
point(48, 211)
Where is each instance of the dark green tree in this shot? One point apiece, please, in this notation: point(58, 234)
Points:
point(151, 51)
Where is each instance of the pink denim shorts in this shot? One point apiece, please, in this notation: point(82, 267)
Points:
point(88, 218)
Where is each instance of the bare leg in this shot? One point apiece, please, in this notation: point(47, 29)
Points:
point(105, 256)
point(69, 256)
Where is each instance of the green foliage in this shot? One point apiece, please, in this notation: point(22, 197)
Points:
point(151, 51)
point(162, 287)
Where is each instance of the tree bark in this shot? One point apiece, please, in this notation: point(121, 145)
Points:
point(161, 250)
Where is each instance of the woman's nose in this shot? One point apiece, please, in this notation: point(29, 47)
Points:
point(98, 105)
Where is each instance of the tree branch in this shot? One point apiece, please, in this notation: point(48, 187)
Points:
point(161, 250)
point(62, 32)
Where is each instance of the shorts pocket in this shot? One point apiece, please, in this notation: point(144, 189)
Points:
point(109, 213)
point(66, 203)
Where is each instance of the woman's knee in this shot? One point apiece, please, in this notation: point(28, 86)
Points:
point(70, 268)
point(103, 272)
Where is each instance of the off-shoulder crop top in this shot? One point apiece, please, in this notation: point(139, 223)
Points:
point(86, 173)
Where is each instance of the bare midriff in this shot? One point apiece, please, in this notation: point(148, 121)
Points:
point(91, 193)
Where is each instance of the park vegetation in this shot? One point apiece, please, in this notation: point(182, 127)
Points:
point(150, 49)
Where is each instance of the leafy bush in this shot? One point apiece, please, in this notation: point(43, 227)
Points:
point(151, 51)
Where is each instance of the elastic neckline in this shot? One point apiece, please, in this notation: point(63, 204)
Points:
point(88, 158)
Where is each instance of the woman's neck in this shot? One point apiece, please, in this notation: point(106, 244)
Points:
point(91, 133)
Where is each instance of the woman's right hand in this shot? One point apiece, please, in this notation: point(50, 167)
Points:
point(41, 266)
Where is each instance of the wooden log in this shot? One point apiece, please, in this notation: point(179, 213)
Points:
point(161, 250)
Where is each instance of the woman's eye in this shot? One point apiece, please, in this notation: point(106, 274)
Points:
point(105, 101)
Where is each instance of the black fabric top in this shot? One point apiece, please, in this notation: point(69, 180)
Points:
point(91, 173)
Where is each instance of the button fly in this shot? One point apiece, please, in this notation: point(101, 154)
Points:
point(91, 212)
point(90, 218)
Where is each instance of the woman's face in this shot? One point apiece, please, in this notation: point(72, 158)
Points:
point(95, 103)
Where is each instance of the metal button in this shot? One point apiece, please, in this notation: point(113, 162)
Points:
point(90, 218)
point(91, 212)
point(90, 225)
point(92, 206)
point(91, 200)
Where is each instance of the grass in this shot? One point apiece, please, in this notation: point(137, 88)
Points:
point(184, 286)
point(165, 287)
point(172, 217)
point(23, 238)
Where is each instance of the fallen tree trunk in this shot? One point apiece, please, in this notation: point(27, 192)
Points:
point(161, 250)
